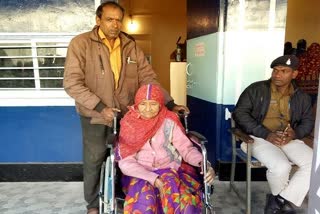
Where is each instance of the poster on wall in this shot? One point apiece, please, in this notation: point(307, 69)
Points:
point(46, 16)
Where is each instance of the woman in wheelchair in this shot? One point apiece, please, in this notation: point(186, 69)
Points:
point(152, 149)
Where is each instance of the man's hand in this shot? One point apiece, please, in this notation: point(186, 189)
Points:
point(288, 135)
point(159, 184)
point(280, 138)
point(108, 113)
point(178, 108)
point(275, 138)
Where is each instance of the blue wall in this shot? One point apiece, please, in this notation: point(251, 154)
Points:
point(40, 134)
point(202, 26)
point(53, 134)
point(222, 60)
point(208, 119)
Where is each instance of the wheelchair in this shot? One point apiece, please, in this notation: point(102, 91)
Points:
point(109, 198)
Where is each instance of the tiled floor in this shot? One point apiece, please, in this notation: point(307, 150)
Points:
point(67, 198)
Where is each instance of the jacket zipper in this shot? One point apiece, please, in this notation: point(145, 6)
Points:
point(123, 62)
point(101, 64)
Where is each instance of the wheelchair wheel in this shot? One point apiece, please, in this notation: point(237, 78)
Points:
point(101, 189)
point(107, 203)
point(206, 195)
point(207, 210)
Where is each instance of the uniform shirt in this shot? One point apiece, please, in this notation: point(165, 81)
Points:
point(115, 56)
point(278, 114)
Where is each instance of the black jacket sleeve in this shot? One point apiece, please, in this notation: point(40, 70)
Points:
point(302, 118)
point(247, 113)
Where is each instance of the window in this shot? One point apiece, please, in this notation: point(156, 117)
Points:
point(32, 64)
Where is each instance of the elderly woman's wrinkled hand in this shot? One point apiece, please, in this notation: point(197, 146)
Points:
point(159, 184)
point(209, 177)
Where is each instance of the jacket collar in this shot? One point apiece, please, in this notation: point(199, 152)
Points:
point(293, 83)
point(124, 37)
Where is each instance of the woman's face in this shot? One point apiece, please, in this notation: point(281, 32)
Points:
point(148, 109)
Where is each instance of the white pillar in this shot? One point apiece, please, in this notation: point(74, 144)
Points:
point(314, 192)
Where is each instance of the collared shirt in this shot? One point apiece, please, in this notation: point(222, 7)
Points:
point(115, 56)
point(278, 114)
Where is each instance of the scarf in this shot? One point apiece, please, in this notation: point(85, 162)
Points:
point(136, 131)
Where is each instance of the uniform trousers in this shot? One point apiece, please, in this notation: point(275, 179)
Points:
point(279, 161)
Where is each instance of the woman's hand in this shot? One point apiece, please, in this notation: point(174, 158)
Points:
point(159, 184)
point(209, 177)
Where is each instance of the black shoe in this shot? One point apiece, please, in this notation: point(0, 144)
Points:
point(286, 207)
point(272, 206)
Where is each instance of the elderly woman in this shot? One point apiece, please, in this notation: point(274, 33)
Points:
point(152, 147)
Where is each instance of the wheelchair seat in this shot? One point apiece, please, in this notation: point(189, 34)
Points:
point(110, 193)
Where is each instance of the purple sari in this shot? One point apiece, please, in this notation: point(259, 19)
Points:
point(182, 194)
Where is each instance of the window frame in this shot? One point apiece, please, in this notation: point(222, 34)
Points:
point(36, 96)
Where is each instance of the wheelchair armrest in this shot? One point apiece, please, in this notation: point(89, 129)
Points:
point(197, 138)
point(238, 133)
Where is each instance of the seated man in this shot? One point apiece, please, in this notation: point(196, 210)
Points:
point(277, 115)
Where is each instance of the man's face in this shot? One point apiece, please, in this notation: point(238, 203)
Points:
point(282, 75)
point(110, 22)
point(148, 109)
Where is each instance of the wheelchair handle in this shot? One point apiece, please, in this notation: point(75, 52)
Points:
point(207, 188)
point(197, 138)
point(182, 113)
point(115, 123)
point(186, 123)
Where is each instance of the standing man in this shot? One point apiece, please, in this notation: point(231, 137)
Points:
point(277, 115)
point(104, 68)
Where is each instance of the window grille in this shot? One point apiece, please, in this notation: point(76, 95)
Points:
point(32, 64)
